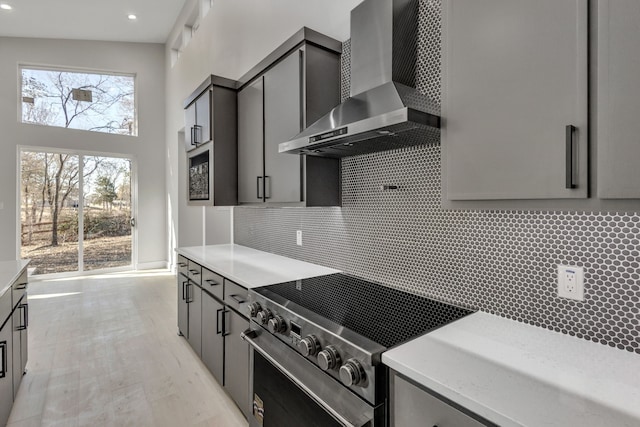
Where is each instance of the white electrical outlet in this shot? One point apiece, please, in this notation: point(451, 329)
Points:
point(299, 237)
point(571, 282)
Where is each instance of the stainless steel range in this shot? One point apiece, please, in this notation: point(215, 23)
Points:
point(317, 345)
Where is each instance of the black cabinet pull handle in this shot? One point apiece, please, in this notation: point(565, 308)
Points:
point(184, 298)
point(267, 186)
point(237, 298)
point(182, 264)
point(258, 180)
point(189, 300)
point(212, 282)
point(197, 132)
point(225, 323)
point(194, 272)
point(3, 366)
point(570, 154)
point(218, 321)
point(193, 135)
point(26, 315)
point(21, 286)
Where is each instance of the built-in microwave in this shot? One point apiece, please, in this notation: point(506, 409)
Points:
point(200, 175)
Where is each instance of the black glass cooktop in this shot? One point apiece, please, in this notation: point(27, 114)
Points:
point(385, 315)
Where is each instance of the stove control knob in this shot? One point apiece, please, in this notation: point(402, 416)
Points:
point(264, 316)
point(277, 324)
point(328, 358)
point(309, 346)
point(352, 373)
point(254, 308)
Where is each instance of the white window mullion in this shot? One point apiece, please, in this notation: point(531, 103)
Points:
point(81, 214)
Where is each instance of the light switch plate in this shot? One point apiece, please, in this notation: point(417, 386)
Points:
point(299, 237)
point(571, 282)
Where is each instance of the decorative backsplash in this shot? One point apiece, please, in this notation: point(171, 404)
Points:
point(501, 262)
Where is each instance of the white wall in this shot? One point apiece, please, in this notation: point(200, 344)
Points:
point(232, 38)
point(147, 62)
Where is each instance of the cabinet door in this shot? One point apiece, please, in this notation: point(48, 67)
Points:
point(515, 76)
point(189, 126)
point(203, 131)
point(19, 343)
point(283, 120)
point(236, 355)
point(183, 307)
point(618, 99)
point(212, 336)
point(24, 338)
point(6, 370)
point(195, 317)
point(251, 143)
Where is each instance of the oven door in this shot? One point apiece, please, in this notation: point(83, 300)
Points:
point(288, 390)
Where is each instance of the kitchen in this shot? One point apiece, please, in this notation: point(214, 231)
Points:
point(491, 256)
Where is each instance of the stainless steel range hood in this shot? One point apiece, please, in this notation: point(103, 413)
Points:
point(385, 111)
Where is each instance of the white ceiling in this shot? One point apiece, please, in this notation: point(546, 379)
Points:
point(90, 19)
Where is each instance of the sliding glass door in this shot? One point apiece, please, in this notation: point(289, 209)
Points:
point(76, 211)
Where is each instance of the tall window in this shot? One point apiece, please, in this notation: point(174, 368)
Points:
point(97, 102)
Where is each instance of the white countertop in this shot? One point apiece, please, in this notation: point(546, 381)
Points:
point(9, 272)
point(515, 374)
point(250, 267)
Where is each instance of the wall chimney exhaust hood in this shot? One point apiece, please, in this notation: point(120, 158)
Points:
point(385, 111)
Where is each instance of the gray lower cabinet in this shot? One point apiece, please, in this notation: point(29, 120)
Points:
point(6, 369)
point(412, 406)
point(515, 100)
point(194, 301)
point(20, 324)
point(209, 318)
point(183, 306)
point(618, 99)
point(212, 336)
point(236, 356)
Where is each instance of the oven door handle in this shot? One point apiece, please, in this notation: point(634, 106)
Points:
point(248, 336)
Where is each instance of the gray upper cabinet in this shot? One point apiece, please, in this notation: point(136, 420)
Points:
point(211, 124)
point(197, 121)
point(250, 142)
point(515, 98)
point(283, 119)
point(618, 99)
point(290, 89)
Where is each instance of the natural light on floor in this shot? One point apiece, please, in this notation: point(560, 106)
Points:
point(47, 296)
point(119, 275)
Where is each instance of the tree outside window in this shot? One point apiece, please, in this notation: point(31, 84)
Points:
point(79, 100)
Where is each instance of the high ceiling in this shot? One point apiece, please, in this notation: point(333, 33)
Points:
point(90, 19)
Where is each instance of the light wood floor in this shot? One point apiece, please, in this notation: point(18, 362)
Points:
point(103, 351)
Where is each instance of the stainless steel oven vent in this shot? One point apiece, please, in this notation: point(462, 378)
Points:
point(385, 111)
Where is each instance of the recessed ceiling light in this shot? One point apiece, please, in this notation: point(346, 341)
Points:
point(132, 17)
point(5, 6)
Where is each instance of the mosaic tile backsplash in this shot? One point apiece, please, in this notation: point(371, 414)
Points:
point(501, 262)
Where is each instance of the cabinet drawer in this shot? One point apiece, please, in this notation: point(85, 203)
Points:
point(413, 406)
point(19, 288)
point(195, 272)
point(235, 296)
point(212, 283)
point(183, 265)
